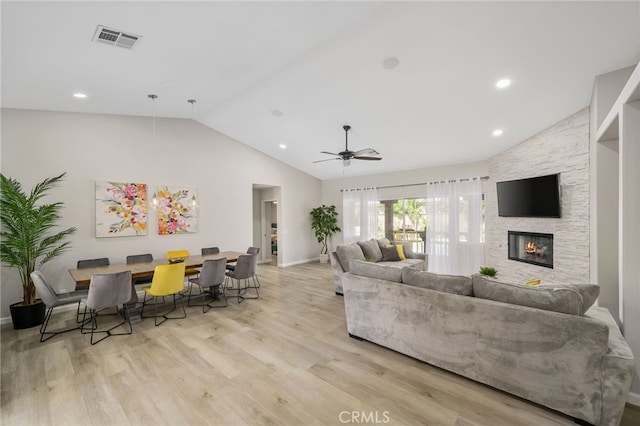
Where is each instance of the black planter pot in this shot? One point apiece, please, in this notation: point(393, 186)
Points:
point(27, 316)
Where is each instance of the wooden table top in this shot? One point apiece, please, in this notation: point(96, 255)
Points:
point(83, 276)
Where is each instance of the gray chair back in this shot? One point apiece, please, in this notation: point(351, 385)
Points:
point(107, 290)
point(45, 291)
point(210, 250)
point(243, 267)
point(213, 272)
point(253, 250)
point(92, 263)
point(139, 258)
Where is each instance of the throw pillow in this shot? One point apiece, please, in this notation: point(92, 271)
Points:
point(456, 284)
point(390, 254)
point(383, 242)
point(400, 248)
point(371, 250)
point(346, 253)
point(408, 250)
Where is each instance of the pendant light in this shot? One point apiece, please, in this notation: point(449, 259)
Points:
point(154, 199)
point(194, 202)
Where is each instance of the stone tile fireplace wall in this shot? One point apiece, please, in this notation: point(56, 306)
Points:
point(562, 148)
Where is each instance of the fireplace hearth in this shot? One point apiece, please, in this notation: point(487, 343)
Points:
point(530, 247)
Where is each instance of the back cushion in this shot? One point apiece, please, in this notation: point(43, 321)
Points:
point(564, 298)
point(456, 284)
point(390, 254)
point(374, 270)
point(346, 253)
point(371, 250)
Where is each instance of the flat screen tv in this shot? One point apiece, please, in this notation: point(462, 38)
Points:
point(532, 197)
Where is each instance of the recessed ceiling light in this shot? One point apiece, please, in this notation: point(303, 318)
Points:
point(390, 63)
point(503, 83)
point(497, 132)
point(276, 113)
point(283, 146)
point(79, 95)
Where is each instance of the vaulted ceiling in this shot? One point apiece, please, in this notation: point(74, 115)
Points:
point(293, 73)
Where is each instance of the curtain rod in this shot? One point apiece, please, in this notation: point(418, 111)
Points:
point(417, 184)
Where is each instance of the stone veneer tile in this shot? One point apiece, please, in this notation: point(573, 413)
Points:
point(562, 148)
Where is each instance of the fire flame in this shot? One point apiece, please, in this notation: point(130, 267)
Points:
point(530, 247)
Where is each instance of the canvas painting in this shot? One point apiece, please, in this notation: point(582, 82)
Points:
point(121, 209)
point(177, 210)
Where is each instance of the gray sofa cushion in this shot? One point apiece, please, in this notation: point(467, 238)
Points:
point(376, 270)
point(563, 298)
point(346, 253)
point(390, 254)
point(456, 284)
point(383, 242)
point(371, 250)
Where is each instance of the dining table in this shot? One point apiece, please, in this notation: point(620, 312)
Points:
point(82, 277)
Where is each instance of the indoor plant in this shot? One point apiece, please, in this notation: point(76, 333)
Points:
point(324, 221)
point(27, 240)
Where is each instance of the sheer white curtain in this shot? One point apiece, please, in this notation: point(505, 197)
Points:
point(455, 237)
point(359, 214)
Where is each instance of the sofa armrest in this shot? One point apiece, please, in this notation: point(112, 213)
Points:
point(422, 256)
point(336, 272)
point(617, 369)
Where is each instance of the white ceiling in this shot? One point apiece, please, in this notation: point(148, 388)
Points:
point(320, 65)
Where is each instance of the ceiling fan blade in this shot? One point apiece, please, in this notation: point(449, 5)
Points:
point(330, 153)
point(328, 159)
point(369, 151)
point(359, 157)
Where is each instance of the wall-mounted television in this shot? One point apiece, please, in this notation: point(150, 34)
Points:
point(532, 197)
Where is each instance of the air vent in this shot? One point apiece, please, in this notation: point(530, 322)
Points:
point(115, 37)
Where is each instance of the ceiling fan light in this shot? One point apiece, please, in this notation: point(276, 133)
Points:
point(346, 162)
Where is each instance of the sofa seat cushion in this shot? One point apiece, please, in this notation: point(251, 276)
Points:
point(346, 253)
point(564, 298)
point(376, 270)
point(456, 284)
point(371, 250)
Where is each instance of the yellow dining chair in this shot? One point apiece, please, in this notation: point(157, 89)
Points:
point(168, 280)
point(176, 255)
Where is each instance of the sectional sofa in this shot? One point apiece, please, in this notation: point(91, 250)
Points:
point(379, 251)
point(546, 344)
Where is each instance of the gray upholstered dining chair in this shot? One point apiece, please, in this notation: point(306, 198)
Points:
point(92, 263)
point(210, 250)
point(240, 276)
point(140, 258)
point(52, 300)
point(212, 276)
point(106, 291)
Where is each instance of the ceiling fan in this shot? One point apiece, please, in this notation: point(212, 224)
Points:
point(346, 156)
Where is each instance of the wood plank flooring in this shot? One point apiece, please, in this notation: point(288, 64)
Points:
point(285, 359)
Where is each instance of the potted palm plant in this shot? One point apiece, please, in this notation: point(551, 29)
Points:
point(27, 240)
point(324, 221)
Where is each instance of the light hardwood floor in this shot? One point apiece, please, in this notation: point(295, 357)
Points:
point(285, 359)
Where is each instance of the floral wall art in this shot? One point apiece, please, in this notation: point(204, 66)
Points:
point(177, 210)
point(121, 209)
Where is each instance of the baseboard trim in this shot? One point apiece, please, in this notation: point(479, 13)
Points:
point(298, 262)
point(634, 398)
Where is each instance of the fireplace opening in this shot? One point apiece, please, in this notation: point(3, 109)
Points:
point(530, 247)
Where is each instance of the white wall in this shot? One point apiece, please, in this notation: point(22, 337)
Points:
point(562, 148)
point(90, 147)
point(398, 184)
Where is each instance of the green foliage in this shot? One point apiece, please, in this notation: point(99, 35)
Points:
point(488, 271)
point(27, 240)
point(324, 221)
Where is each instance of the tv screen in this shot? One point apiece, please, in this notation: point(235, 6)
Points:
point(531, 197)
